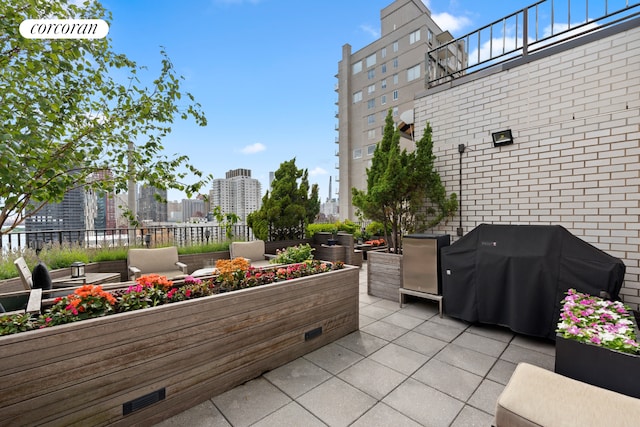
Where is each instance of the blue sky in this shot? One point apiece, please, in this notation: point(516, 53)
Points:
point(264, 71)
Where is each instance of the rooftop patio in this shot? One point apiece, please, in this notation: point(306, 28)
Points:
point(405, 367)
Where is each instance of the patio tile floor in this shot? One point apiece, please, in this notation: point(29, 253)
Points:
point(404, 367)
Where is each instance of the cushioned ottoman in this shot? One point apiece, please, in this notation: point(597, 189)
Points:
point(538, 397)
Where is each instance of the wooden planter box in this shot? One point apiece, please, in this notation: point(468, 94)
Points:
point(140, 367)
point(598, 366)
point(384, 275)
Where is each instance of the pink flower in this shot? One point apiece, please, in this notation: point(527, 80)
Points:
point(595, 340)
point(573, 330)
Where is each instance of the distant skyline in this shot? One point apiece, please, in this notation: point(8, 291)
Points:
point(264, 72)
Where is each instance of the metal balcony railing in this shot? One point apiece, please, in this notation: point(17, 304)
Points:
point(179, 235)
point(543, 24)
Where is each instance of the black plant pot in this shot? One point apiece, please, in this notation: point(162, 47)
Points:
point(332, 242)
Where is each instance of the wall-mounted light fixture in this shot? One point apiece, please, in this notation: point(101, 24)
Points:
point(502, 137)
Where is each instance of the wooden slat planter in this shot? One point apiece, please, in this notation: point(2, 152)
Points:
point(87, 372)
point(384, 275)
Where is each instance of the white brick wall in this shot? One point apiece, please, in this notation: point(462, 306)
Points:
point(575, 118)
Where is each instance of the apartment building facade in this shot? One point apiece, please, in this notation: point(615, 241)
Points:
point(384, 75)
point(237, 193)
point(151, 207)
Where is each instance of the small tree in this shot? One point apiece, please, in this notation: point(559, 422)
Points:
point(404, 191)
point(226, 221)
point(288, 208)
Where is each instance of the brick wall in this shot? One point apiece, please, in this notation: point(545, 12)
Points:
point(575, 161)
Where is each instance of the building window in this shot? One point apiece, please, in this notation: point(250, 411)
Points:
point(383, 99)
point(414, 37)
point(371, 119)
point(357, 67)
point(371, 73)
point(371, 149)
point(383, 84)
point(357, 153)
point(395, 111)
point(395, 95)
point(357, 97)
point(413, 73)
point(430, 36)
point(383, 52)
point(395, 79)
point(371, 60)
point(384, 68)
point(371, 134)
point(371, 104)
point(395, 46)
point(371, 89)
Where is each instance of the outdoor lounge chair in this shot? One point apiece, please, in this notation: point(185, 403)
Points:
point(253, 251)
point(161, 261)
point(25, 273)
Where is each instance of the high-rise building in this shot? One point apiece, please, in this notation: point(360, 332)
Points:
point(330, 208)
point(149, 207)
point(120, 201)
point(383, 75)
point(192, 208)
point(75, 214)
point(237, 193)
point(174, 211)
point(105, 218)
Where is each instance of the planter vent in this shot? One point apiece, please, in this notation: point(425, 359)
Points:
point(144, 401)
point(313, 333)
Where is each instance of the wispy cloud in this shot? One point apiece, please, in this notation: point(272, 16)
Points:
point(253, 148)
point(370, 30)
point(317, 171)
point(451, 23)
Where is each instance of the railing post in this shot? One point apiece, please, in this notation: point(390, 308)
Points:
point(525, 31)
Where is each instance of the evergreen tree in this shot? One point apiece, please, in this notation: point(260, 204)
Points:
point(404, 191)
point(288, 208)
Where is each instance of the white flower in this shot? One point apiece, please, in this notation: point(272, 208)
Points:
point(607, 336)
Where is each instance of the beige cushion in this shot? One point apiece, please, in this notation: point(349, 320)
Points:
point(253, 251)
point(25, 273)
point(156, 261)
point(538, 397)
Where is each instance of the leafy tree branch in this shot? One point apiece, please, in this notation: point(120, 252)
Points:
point(63, 116)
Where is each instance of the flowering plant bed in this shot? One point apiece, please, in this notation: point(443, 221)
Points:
point(597, 343)
point(375, 242)
point(598, 321)
point(151, 290)
point(140, 366)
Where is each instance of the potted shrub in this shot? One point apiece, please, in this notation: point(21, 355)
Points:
point(404, 190)
point(597, 343)
point(405, 194)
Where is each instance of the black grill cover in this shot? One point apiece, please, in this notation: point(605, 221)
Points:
point(516, 275)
